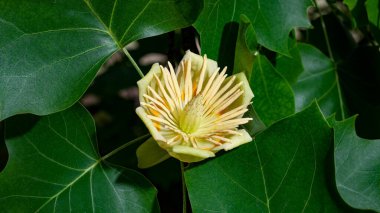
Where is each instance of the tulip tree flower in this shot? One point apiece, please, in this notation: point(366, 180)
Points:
point(192, 113)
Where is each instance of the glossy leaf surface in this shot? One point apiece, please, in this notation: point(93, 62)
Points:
point(54, 166)
point(271, 20)
point(274, 98)
point(50, 51)
point(281, 171)
point(313, 77)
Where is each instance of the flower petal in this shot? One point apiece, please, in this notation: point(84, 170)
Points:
point(140, 111)
point(236, 140)
point(247, 96)
point(146, 80)
point(150, 154)
point(165, 95)
point(190, 154)
point(197, 62)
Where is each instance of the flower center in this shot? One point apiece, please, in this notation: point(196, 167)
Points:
point(191, 116)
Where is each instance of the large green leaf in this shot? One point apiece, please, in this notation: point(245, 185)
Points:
point(357, 167)
point(54, 166)
point(274, 98)
point(281, 171)
point(50, 51)
point(318, 80)
point(272, 21)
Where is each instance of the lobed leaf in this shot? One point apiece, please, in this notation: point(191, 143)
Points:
point(283, 170)
point(50, 51)
point(316, 78)
point(271, 20)
point(357, 167)
point(54, 165)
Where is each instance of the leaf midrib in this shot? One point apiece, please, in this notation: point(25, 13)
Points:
point(263, 177)
point(70, 184)
point(90, 168)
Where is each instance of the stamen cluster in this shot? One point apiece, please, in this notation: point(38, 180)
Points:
point(198, 106)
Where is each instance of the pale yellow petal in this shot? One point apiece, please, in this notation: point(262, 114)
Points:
point(150, 154)
point(190, 154)
point(146, 80)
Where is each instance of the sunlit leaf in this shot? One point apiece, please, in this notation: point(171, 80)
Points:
point(283, 170)
point(357, 167)
point(50, 51)
point(54, 165)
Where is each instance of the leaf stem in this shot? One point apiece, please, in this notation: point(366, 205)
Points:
point(324, 32)
point(184, 191)
point(329, 49)
point(340, 96)
point(124, 146)
point(133, 62)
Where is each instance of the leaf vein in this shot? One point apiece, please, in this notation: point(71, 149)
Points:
point(112, 14)
point(134, 20)
point(113, 187)
point(315, 167)
point(91, 191)
point(70, 143)
point(68, 187)
point(50, 159)
point(263, 177)
point(239, 185)
point(286, 172)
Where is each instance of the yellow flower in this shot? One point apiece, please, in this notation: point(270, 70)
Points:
point(192, 113)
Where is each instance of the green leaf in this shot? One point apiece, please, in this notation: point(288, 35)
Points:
point(271, 20)
point(281, 171)
point(54, 165)
point(350, 3)
point(274, 98)
point(290, 66)
point(358, 12)
point(357, 167)
point(318, 81)
point(372, 10)
point(50, 51)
